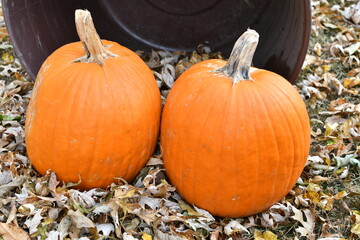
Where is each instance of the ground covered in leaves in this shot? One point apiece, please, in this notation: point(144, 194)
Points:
point(324, 204)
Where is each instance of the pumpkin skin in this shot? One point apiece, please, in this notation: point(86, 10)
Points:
point(90, 121)
point(233, 149)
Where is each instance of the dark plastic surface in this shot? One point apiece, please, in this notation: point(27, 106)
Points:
point(38, 27)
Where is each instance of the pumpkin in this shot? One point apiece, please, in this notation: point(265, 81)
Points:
point(94, 114)
point(235, 138)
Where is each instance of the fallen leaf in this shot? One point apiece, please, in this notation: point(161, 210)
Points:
point(307, 219)
point(105, 228)
point(6, 188)
point(165, 236)
point(5, 177)
point(353, 48)
point(168, 75)
point(351, 82)
point(12, 232)
point(344, 161)
point(153, 203)
point(356, 226)
point(33, 223)
point(280, 212)
point(146, 236)
point(352, 13)
point(83, 198)
point(267, 235)
point(126, 236)
point(80, 220)
point(154, 161)
point(188, 209)
point(233, 227)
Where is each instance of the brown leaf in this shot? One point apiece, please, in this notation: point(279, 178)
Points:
point(308, 222)
point(80, 220)
point(215, 234)
point(12, 232)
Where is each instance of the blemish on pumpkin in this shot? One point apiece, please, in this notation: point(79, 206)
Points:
point(234, 198)
point(31, 108)
point(74, 141)
point(212, 65)
point(218, 74)
point(95, 177)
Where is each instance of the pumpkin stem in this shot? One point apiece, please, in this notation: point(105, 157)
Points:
point(96, 52)
point(238, 65)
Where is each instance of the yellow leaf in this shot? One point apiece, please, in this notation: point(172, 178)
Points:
point(351, 82)
point(328, 162)
point(130, 193)
point(189, 209)
point(258, 235)
point(356, 229)
point(340, 170)
point(340, 195)
point(327, 204)
point(267, 235)
point(7, 57)
point(146, 236)
point(124, 192)
point(312, 196)
point(48, 221)
point(318, 49)
point(326, 68)
point(330, 128)
point(313, 187)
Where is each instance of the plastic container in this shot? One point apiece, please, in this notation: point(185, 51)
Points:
point(39, 27)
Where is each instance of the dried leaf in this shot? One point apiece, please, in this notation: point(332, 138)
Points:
point(356, 226)
point(127, 236)
point(280, 212)
point(146, 236)
point(307, 219)
point(5, 177)
point(188, 209)
point(353, 13)
point(351, 82)
point(154, 161)
point(233, 227)
point(33, 223)
point(267, 235)
point(266, 220)
point(11, 232)
point(153, 203)
point(6, 188)
point(80, 220)
point(165, 236)
point(83, 198)
point(349, 159)
point(64, 226)
point(352, 48)
point(105, 228)
point(168, 75)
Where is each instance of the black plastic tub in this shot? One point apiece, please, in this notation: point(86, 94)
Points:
point(38, 27)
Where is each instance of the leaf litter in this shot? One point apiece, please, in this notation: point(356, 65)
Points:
point(324, 204)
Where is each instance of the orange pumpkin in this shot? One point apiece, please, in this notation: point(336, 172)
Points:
point(235, 138)
point(95, 111)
